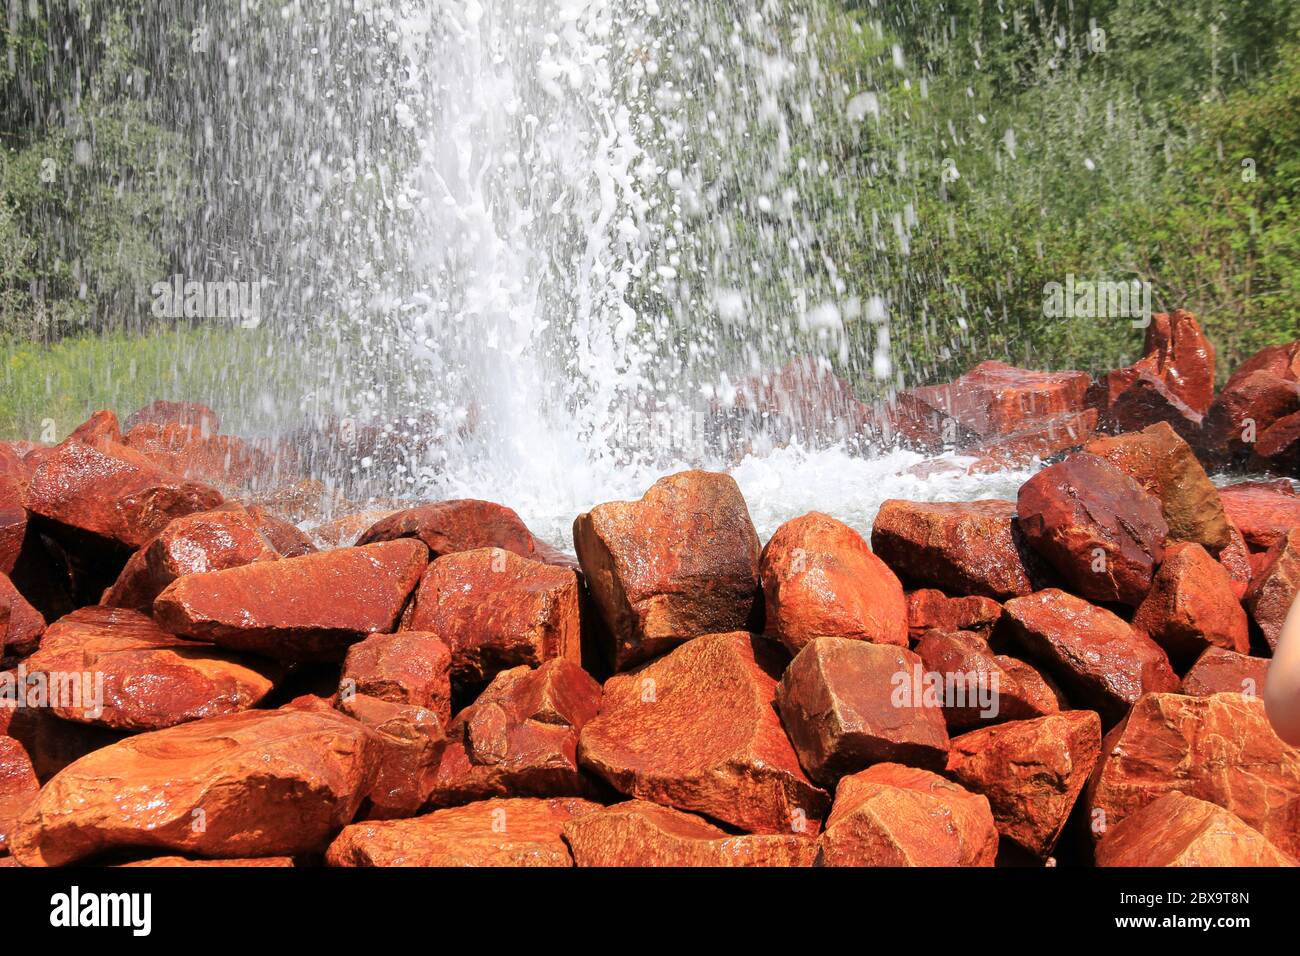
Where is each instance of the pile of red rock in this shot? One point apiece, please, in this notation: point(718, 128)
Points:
point(1072, 676)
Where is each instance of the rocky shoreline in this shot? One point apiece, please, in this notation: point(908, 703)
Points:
point(1073, 677)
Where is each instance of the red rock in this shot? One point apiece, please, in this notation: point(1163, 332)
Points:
point(18, 785)
point(1184, 357)
point(1041, 440)
point(803, 401)
point(1274, 589)
point(1220, 749)
point(1280, 360)
point(1106, 390)
point(21, 625)
point(908, 420)
point(410, 741)
point(1031, 771)
point(100, 429)
point(994, 398)
point(1096, 526)
point(1244, 411)
point(1192, 606)
point(13, 525)
point(347, 531)
point(1235, 559)
point(1165, 466)
point(982, 687)
point(259, 783)
point(304, 500)
point(410, 667)
point(847, 704)
point(51, 742)
point(520, 832)
point(1149, 401)
point(1278, 448)
point(1178, 830)
point(971, 548)
point(1225, 672)
point(113, 493)
point(284, 536)
point(15, 473)
point(637, 833)
point(191, 544)
point(929, 609)
point(681, 562)
point(451, 526)
point(496, 610)
point(187, 450)
point(119, 670)
point(821, 580)
point(1264, 511)
point(696, 730)
point(190, 414)
point(1099, 659)
point(891, 815)
point(520, 737)
point(171, 861)
point(296, 609)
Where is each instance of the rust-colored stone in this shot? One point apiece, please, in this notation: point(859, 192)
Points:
point(162, 412)
point(346, 531)
point(1184, 357)
point(1178, 830)
point(994, 398)
point(930, 609)
point(681, 562)
point(1235, 559)
point(696, 730)
point(520, 832)
point(1273, 590)
point(447, 527)
point(495, 610)
point(188, 450)
point(410, 667)
point(821, 580)
point(1031, 771)
point(287, 538)
point(891, 815)
point(21, 625)
point(13, 523)
point(1191, 606)
point(1096, 526)
point(1264, 511)
point(963, 548)
point(637, 833)
point(981, 687)
point(1245, 410)
point(101, 429)
point(51, 742)
point(172, 861)
point(1099, 659)
point(1148, 401)
point(258, 783)
point(18, 786)
point(297, 609)
point(1219, 748)
point(410, 741)
point(520, 737)
point(1218, 671)
point(1278, 447)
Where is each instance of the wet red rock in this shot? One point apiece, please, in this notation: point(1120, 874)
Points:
point(21, 625)
point(1099, 660)
point(1280, 360)
point(100, 429)
point(1274, 588)
point(1220, 749)
point(1235, 559)
point(1245, 410)
point(1149, 401)
point(820, 579)
point(994, 398)
point(447, 527)
point(297, 609)
point(1039, 441)
point(981, 687)
point(1184, 357)
point(1096, 526)
point(682, 561)
point(696, 730)
point(520, 737)
point(1218, 671)
point(285, 537)
point(1278, 447)
point(173, 861)
point(1264, 511)
point(494, 610)
point(962, 548)
point(192, 544)
point(162, 412)
point(259, 783)
point(847, 704)
point(18, 786)
point(637, 833)
point(803, 401)
point(1166, 466)
point(519, 832)
point(188, 450)
point(346, 531)
point(1192, 606)
point(409, 741)
point(51, 742)
point(13, 524)
point(1178, 830)
point(150, 679)
point(410, 667)
point(891, 815)
point(1031, 771)
point(930, 609)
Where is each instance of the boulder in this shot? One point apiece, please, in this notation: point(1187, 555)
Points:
point(409, 741)
point(520, 832)
point(1096, 526)
point(1043, 439)
point(681, 562)
point(258, 783)
point(520, 737)
point(930, 609)
point(696, 730)
point(51, 742)
point(1178, 830)
point(966, 548)
point(821, 580)
point(1166, 467)
point(447, 527)
point(173, 861)
point(297, 609)
point(495, 610)
point(116, 668)
point(287, 539)
point(409, 667)
point(21, 625)
point(1278, 447)
point(637, 833)
point(1244, 411)
point(994, 398)
point(891, 815)
point(1273, 590)
point(13, 523)
point(346, 531)
point(847, 704)
point(1219, 671)
point(1220, 749)
point(1191, 606)
point(1098, 659)
point(804, 401)
point(188, 450)
point(18, 786)
point(1031, 771)
point(162, 412)
point(1235, 559)
point(981, 687)
point(1183, 357)
point(1148, 401)
point(101, 429)
point(1280, 360)
point(1263, 511)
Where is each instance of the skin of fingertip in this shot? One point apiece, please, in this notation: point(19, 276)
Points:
point(1282, 686)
